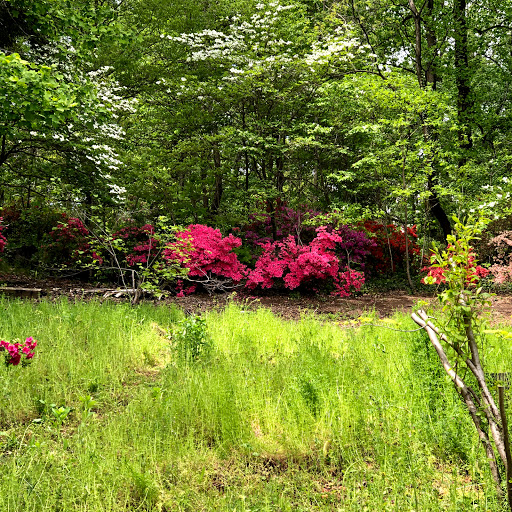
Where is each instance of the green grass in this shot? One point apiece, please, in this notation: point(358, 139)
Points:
point(244, 413)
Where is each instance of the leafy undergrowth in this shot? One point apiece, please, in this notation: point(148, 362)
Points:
point(143, 408)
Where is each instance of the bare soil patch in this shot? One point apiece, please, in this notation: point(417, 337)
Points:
point(289, 307)
point(292, 308)
point(385, 305)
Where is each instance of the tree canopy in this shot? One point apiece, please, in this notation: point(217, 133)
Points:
point(209, 112)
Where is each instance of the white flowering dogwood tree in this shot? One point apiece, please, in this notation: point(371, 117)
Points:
point(241, 117)
point(59, 120)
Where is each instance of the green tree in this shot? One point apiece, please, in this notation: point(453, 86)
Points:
point(59, 129)
point(237, 122)
point(458, 49)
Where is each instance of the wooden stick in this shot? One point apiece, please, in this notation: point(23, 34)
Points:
point(422, 320)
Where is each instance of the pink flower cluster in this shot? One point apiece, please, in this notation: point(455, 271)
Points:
point(475, 272)
point(304, 264)
point(69, 242)
point(143, 241)
point(205, 252)
point(3, 240)
point(15, 351)
point(71, 230)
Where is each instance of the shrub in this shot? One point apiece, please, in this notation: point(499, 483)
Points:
point(27, 229)
point(387, 254)
point(68, 244)
point(502, 261)
point(353, 249)
point(459, 341)
point(355, 246)
point(138, 244)
point(191, 339)
point(436, 273)
point(489, 247)
point(71, 243)
point(133, 255)
point(208, 256)
point(3, 240)
point(304, 265)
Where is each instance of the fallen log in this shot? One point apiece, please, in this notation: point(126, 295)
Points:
point(26, 293)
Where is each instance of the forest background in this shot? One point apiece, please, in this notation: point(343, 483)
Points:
point(379, 120)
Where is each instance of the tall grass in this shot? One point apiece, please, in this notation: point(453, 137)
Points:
point(269, 415)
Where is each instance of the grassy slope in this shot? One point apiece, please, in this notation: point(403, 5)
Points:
point(276, 416)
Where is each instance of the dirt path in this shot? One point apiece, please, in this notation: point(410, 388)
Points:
point(285, 306)
point(290, 307)
point(384, 304)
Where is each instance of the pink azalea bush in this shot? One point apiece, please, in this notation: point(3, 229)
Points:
point(140, 244)
point(207, 254)
point(306, 265)
point(501, 269)
point(354, 248)
point(211, 262)
point(16, 351)
point(3, 240)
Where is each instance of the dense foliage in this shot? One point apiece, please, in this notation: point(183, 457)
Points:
point(258, 115)
point(269, 146)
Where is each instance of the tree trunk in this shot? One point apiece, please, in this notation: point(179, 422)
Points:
point(434, 206)
point(271, 210)
point(433, 203)
point(462, 72)
point(430, 73)
point(405, 228)
point(417, 42)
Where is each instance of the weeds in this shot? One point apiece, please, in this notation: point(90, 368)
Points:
point(191, 339)
point(284, 416)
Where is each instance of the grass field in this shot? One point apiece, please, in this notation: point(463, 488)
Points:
point(142, 409)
